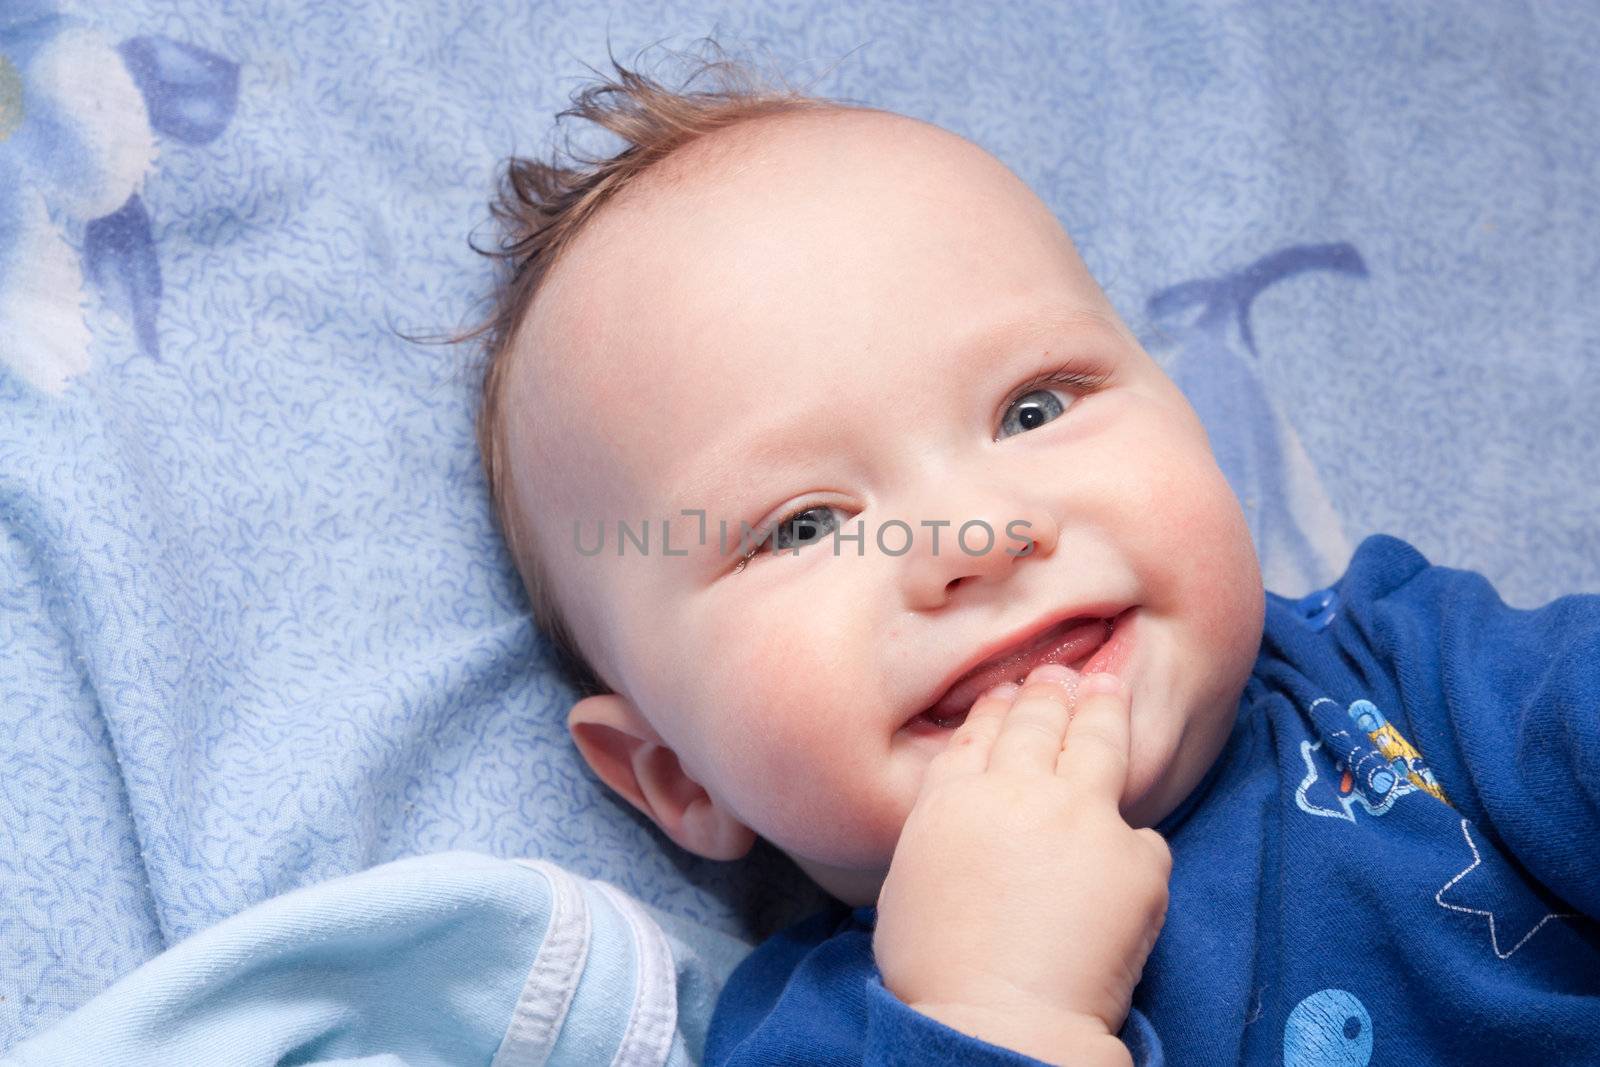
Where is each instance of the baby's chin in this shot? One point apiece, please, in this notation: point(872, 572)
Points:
point(1167, 759)
point(1155, 784)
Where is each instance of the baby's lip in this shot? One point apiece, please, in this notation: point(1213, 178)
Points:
point(1065, 637)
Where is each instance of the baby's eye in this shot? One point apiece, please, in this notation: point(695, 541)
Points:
point(802, 528)
point(1032, 405)
point(1031, 411)
point(798, 529)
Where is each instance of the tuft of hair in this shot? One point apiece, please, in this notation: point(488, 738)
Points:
point(539, 208)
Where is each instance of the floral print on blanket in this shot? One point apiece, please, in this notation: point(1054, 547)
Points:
point(81, 120)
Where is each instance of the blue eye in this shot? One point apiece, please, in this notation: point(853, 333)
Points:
point(1034, 406)
point(1032, 410)
point(797, 530)
point(802, 528)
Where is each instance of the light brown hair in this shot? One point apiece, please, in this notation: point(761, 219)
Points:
point(540, 207)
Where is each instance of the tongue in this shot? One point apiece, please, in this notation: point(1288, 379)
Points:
point(1066, 643)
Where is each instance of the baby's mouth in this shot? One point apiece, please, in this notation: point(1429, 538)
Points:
point(1071, 643)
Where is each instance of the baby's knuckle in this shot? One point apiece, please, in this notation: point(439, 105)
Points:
point(1104, 748)
point(1156, 846)
point(1149, 899)
point(1033, 724)
point(1011, 792)
point(1159, 892)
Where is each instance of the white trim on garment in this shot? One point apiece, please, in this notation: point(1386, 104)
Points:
point(542, 1006)
point(647, 1041)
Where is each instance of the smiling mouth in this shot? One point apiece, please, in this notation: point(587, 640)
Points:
point(1074, 643)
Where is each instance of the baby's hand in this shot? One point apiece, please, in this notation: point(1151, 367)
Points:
point(1020, 906)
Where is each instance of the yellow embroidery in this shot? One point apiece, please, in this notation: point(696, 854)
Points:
point(1401, 754)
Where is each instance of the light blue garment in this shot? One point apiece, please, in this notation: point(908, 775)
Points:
point(451, 960)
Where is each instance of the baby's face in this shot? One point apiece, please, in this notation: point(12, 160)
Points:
point(841, 316)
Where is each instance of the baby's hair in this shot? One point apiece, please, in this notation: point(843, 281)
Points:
point(540, 207)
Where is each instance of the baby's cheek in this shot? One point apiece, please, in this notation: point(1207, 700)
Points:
point(798, 760)
point(765, 677)
point(1193, 521)
point(1203, 583)
point(1229, 597)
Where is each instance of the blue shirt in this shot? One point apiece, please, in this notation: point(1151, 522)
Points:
point(1395, 858)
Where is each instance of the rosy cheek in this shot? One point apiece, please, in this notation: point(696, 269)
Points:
point(759, 687)
point(794, 756)
point(1187, 533)
point(1232, 578)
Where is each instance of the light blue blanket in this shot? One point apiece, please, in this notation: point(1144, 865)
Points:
point(256, 628)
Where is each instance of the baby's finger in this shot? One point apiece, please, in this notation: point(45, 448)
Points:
point(1095, 755)
point(1030, 737)
point(1159, 850)
point(967, 751)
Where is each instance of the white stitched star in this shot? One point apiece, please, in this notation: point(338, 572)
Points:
point(1494, 934)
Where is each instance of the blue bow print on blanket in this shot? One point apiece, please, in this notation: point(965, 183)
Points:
point(1213, 357)
point(80, 120)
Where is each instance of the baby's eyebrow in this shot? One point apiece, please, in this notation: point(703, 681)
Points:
point(771, 447)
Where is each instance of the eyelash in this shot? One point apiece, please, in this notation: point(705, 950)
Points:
point(1076, 375)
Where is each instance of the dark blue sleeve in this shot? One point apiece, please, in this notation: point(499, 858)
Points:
point(1504, 702)
point(900, 1036)
point(812, 996)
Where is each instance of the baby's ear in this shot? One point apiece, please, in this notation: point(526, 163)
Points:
point(630, 757)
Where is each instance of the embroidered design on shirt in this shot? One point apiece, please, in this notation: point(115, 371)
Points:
point(1330, 1028)
point(1376, 764)
point(1507, 910)
point(1405, 760)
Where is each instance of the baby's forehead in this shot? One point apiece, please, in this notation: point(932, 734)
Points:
point(725, 239)
point(812, 244)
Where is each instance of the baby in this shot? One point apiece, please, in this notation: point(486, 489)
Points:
point(809, 431)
